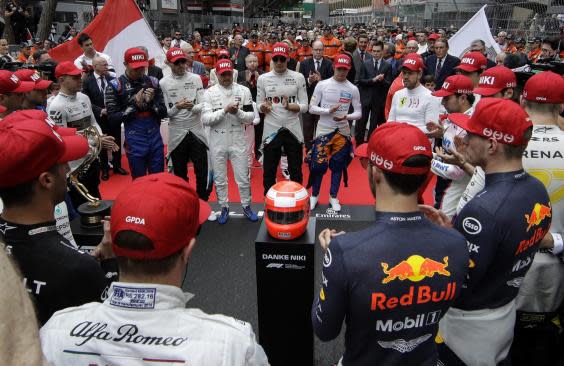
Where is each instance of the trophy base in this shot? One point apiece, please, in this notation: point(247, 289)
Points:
point(92, 213)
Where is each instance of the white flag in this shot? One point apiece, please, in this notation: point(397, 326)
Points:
point(476, 28)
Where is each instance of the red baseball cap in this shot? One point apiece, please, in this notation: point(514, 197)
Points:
point(361, 151)
point(30, 147)
point(280, 49)
point(342, 61)
point(174, 54)
point(11, 83)
point(545, 87)
point(434, 36)
point(472, 62)
point(136, 58)
point(164, 208)
point(222, 66)
point(502, 119)
point(494, 80)
point(413, 62)
point(223, 53)
point(455, 84)
point(39, 115)
point(67, 68)
point(32, 75)
point(392, 143)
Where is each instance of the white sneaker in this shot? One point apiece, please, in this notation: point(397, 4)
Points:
point(312, 202)
point(212, 216)
point(335, 205)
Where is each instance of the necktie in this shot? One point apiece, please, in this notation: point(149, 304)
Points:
point(439, 67)
point(102, 84)
point(316, 65)
point(376, 66)
point(362, 55)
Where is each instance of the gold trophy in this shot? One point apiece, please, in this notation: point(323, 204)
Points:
point(93, 211)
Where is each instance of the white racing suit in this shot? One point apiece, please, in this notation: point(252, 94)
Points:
point(141, 324)
point(227, 139)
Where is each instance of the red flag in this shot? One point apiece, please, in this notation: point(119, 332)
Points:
point(117, 27)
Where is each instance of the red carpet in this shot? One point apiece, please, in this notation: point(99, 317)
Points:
point(357, 192)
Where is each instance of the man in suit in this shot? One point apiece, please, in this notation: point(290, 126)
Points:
point(93, 86)
point(313, 69)
point(238, 54)
point(360, 55)
point(374, 82)
point(441, 65)
point(192, 65)
point(479, 45)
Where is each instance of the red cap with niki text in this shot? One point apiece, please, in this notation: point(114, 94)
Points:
point(494, 80)
point(413, 62)
point(434, 36)
point(38, 114)
point(545, 87)
point(342, 61)
point(222, 66)
point(455, 84)
point(30, 147)
point(472, 62)
point(280, 49)
point(67, 68)
point(174, 54)
point(11, 83)
point(136, 58)
point(501, 119)
point(392, 143)
point(223, 53)
point(32, 75)
point(163, 208)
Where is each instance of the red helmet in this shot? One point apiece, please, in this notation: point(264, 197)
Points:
point(287, 210)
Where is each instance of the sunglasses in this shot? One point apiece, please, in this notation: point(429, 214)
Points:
point(179, 62)
point(279, 59)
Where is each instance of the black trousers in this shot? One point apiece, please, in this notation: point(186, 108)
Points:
point(192, 149)
point(272, 153)
point(91, 180)
point(309, 124)
point(376, 112)
point(115, 132)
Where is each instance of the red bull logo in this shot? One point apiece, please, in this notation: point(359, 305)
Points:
point(537, 216)
point(415, 268)
point(415, 295)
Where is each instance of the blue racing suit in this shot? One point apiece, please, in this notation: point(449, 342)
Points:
point(143, 142)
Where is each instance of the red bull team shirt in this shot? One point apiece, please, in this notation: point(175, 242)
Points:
point(392, 282)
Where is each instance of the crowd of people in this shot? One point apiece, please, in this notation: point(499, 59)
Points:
point(453, 283)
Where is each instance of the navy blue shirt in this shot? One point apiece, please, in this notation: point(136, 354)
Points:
point(392, 283)
point(503, 225)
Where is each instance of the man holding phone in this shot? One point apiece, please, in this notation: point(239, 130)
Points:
point(137, 100)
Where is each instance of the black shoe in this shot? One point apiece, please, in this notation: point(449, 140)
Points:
point(120, 171)
point(105, 174)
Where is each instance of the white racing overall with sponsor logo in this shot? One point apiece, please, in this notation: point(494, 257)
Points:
point(147, 324)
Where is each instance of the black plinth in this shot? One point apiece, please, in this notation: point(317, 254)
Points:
point(285, 290)
point(87, 238)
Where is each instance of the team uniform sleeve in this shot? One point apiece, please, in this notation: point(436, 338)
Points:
point(447, 171)
point(198, 105)
point(316, 98)
point(159, 106)
point(302, 94)
point(117, 111)
point(209, 117)
point(255, 355)
point(57, 115)
point(357, 108)
point(329, 310)
point(260, 91)
point(432, 110)
point(393, 112)
point(482, 238)
point(169, 104)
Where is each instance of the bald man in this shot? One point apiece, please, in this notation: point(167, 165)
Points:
point(192, 65)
